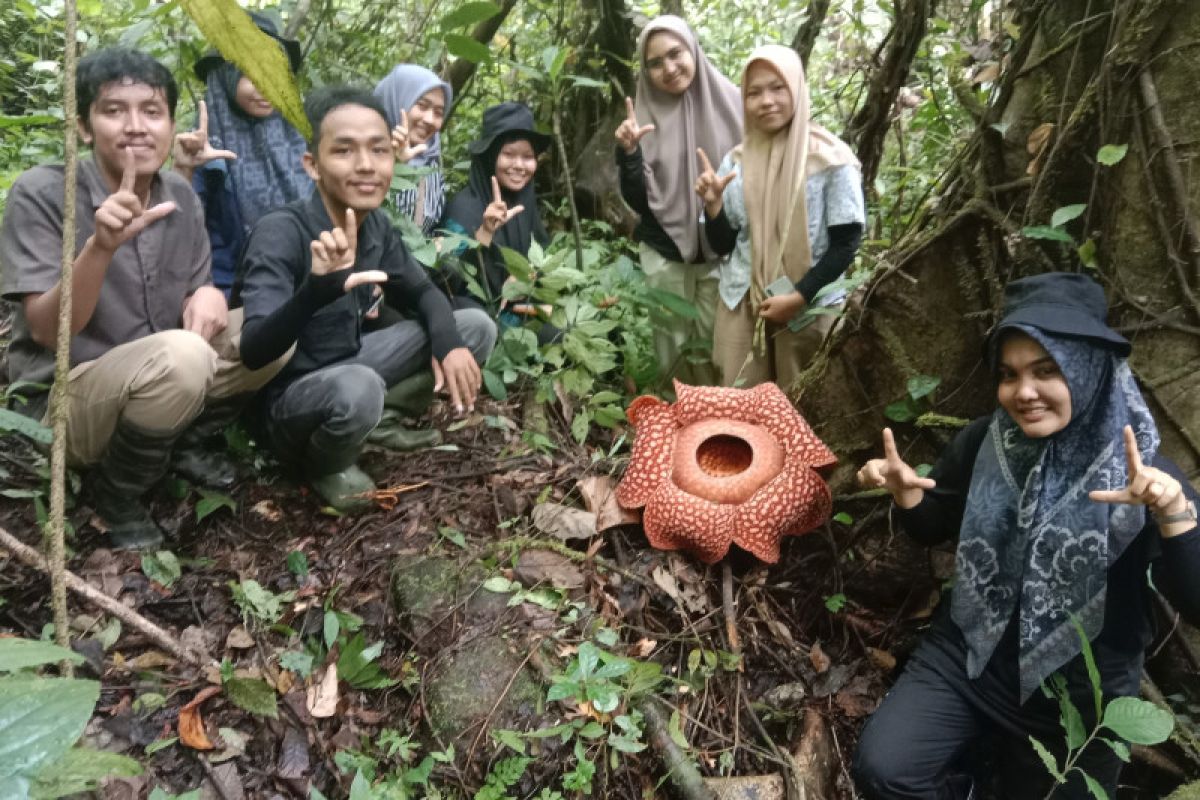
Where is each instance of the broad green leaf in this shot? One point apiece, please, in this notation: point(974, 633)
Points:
point(211, 501)
point(1138, 721)
point(81, 770)
point(28, 120)
point(673, 303)
point(1062, 216)
point(1048, 759)
point(1072, 721)
point(297, 563)
point(253, 695)
point(1120, 748)
point(300, 663)
point(1087, 254)
point(258, 56)
point(40, 718)
point(1093, 786)
point(466, 48)
point(22, 653)
point(162, 567)
point(1089, 660)
point(356, 665)
point(1046, 232)
point(331, 627)
point(510, 739)
point(26, 426)
point(1112, 154)
point(843, 518)
point(495, 385)
point(904, 410)
point(469, 14)
point(675, 729)
point(360, 788)
point(921, 385)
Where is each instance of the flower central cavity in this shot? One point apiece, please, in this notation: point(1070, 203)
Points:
point(724, 455)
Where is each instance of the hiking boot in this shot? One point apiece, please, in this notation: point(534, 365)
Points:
point(133, 461)
point(391, 434)
point(201, 455)
point(346, 491)
point(412, 396)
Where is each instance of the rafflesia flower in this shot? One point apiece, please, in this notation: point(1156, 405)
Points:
point(725, 466)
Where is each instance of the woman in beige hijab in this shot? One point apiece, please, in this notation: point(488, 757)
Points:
point(683, 103)
point(786, 207)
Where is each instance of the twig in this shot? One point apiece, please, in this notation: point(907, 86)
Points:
point(794, 790)
point(680, 769)
point(127, 615)
point(731, 631)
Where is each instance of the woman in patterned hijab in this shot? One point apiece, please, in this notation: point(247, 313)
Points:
point(1061, 503)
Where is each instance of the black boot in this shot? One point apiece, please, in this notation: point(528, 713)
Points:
point(201, 455)
point(133, 462)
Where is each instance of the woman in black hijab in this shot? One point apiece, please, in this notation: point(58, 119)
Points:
point(499, 208)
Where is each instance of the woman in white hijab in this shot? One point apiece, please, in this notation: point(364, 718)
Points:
point(683, 103)
point(786, 206)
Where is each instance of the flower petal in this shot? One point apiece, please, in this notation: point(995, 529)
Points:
point(650, 459)
point(676, 520)
point(780, 417)
point(795, 502)
point(695, 403)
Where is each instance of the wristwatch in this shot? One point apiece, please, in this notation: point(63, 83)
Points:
point(1187, 515)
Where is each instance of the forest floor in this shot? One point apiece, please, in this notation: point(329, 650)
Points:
point(819, 636)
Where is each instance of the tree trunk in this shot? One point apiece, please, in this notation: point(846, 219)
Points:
point(1090, 69)
point(806, 37)
point(461, 70)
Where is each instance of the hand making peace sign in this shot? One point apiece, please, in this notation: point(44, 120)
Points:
point(193, 150)
point(496, 214)
point(335, 250)
point(711, 188)
point(121, 216)
point(629, 133)
point(400, 141)
point(1148, 486)
point(893, 474)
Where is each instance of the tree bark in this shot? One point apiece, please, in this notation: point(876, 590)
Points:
point(461, 70)
point(810, 29)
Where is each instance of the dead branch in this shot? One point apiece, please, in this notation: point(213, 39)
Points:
point(682, 772)
point(31, 558)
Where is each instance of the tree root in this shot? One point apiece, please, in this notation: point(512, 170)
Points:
point(30, 557)
point(682, 773)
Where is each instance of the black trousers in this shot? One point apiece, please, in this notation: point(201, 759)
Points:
point(937, 732)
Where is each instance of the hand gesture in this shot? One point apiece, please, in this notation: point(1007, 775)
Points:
point(206, 312)
point(629, 133)
point(400, 145)
point(193, 150)
point(335, 250)
point(1147, 486)
point(496, 214)
point(460, 376)
point(121, 216)
point(711, 188)
point(891, 473)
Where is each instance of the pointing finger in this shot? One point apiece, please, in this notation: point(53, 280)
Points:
point(1132, 454)
point(339, 241)
point(203, 118)
point(155, 213)
point(496, 198)
point(642, 131)
point(512, 212)
point(227, 154)
point(629, 114)
point(1109, 496)
point(351, 230)
point(404, 120)
point(726, 180)
point(129, 176)
point(889, 447)
point(376, 276)
point(705, 164)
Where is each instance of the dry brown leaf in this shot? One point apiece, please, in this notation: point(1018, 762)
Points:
point(542, 566)
point(642, 648)
point(285, 681)
point(323, 696)
point(191, 724)
point(1036, 145)
point(151, 659)
point(239, 639)
point(987, 73)
point(820, 661)
point(268, 510)
point(882, 659)
point(599, 494)
point(564, 522)
point(854, 704)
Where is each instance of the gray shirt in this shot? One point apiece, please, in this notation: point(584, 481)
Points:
point(147, 281)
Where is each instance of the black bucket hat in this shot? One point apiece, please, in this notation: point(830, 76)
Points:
point(212, 59)
point(1062, 304)
point(505, 119)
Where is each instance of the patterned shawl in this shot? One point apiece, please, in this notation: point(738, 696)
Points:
point(400, 91)
point(267, 172)
point(1031, 538)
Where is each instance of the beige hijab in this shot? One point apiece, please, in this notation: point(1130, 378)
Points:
point(707, 115)
point(775, 169)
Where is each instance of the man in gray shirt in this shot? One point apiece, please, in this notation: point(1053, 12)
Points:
point(153, 340)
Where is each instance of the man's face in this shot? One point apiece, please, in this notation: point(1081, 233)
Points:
point(353, 164)
point(126, 117)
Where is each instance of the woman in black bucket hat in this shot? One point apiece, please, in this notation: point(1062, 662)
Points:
point(499, 208)
point(1060, 503)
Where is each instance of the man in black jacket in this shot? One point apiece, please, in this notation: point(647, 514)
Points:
point(312, 272)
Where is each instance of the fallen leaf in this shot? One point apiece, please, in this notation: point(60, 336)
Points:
point(151, 659)
point(854, 704)
point(882, 659)
point(191, 724)
point(542, 566)
point(293, 755)
point(268, 510)
point(285, 681)
point(820, 661)
point(599, 493)
point(1036, 145)
point(234, 742)
point(226, 777)
point(239, 639)
point(786, 695)
point(564, 522)
point(323, 697)
point(642, 648)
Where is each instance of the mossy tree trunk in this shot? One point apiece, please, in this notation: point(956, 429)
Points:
point(1093, 69)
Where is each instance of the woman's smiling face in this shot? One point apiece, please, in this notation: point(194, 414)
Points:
point(1031, 387)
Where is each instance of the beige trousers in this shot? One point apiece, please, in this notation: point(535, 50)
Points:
point(787, 353)
point(696, 283)
point(159, 382)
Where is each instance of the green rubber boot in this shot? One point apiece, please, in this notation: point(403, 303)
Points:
point(347, 491)
point(391, 434)
point(133, 461)
point(411, 396)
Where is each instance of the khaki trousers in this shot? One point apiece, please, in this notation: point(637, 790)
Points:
point(696, 284)
point(159, 382)
point(787, 353)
